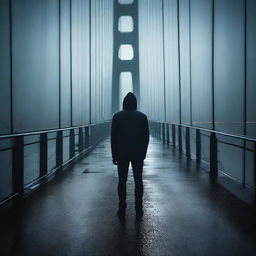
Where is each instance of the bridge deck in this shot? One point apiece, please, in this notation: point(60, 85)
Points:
point(75, 213)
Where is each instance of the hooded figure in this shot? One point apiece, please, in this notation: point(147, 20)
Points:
point(129, 143)
point(129, 133)
point(130, 102)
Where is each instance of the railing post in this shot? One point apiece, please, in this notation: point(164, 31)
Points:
point(159, 131)
point(173, 135)
point(43, 154)
point(168, 133)
point(98, 133)
point(86, 137)
point(198, 147)
point(18, 165)
point(59, 149)
point(163, 132)
point(188, 151)
point(180, 139)
point(92, 135)
point(72, 143)
point(80, 142)
point(95, 134)
point(255, 172)
point(213, 157)
point(101, 132)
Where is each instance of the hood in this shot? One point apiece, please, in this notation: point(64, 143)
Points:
point(130, 102)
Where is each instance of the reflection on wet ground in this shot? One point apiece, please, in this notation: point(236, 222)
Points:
point(75, 213)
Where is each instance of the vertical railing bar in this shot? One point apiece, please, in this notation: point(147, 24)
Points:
point(254, 172)
point(18, 165)
point(72, 143)
point(59, 149)
point(180, 138)
point(173, 135)
point(213, 157)
point(168, 133)
point(43, 154)
point(80, 140)
point(188, 150)
point(163, 132)
point(198, 146)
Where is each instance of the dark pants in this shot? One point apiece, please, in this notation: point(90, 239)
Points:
point(137, 167)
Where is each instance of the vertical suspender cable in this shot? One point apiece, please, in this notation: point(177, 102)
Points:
point(164, 59)
point(213, 38)
point(71, 73)
point(59, 63)
point(178, 25)
point(90, 61)
point(245, 88)
point(190, 64)
point(11, 66)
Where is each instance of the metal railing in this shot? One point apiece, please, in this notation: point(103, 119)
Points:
point(81, 139)
point(161, 130)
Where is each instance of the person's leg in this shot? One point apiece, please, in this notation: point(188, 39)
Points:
point(137, 167)
point(123, 167)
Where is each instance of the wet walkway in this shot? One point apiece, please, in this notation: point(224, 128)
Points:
point(75, 213)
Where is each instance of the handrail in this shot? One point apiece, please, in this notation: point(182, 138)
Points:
point(87, 139)
point(241, 137)
point(162, 131)
point(8, 136)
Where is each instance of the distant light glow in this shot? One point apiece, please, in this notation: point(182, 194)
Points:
point(126, 52)
point(125, 1)
point(125, 86)
point(125, 24)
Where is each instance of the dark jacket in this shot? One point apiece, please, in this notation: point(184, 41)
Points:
point(129, 132)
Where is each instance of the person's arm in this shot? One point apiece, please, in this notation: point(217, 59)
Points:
point(145, 136)
point(114, 139)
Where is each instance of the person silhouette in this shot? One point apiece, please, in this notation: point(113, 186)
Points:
point(129, 143)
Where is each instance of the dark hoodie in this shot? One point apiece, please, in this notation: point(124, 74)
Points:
point(130, 102)
point(129, 132)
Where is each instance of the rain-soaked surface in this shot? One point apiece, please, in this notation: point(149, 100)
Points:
point(75, 213)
